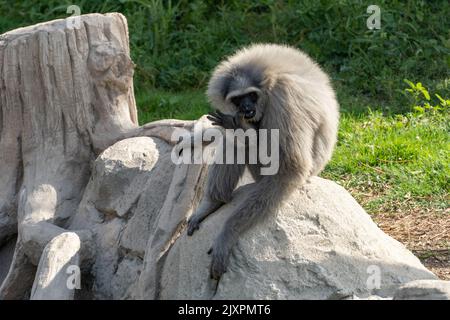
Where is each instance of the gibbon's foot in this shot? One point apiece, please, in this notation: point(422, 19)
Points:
point(220, 260)
point(193, 225)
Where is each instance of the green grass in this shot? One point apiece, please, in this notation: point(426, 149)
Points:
point(159, 104)
point(389, 159)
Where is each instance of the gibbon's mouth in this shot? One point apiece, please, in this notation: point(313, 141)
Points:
point(249, 114)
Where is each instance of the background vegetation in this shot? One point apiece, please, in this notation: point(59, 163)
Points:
point(175, 44)
point(393, 150)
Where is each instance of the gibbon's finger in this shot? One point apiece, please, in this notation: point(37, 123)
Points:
point(211, 118)
point(215, 121)
point(192, 227)
point(214, 115)
point(217, 114)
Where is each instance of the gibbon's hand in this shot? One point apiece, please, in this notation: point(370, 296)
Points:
point(224, 120)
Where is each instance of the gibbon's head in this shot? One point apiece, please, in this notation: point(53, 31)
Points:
point(245, 81)
point(238, 88)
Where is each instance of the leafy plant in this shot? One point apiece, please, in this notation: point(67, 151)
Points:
point(422, 99)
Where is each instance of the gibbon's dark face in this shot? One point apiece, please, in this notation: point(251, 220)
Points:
point(242, 91)
point(246, 104)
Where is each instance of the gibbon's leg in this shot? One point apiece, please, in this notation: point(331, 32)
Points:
point(263, 197)
point(222, 180)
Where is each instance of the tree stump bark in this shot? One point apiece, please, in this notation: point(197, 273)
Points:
point(66, 94)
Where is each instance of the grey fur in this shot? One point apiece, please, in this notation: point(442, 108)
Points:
point(295, 96)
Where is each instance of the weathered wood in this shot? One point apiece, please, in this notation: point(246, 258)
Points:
point(66, 94)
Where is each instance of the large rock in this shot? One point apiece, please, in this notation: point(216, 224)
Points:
point(320, 245)
point(58, 271)
point(66, 95)
point(6, 256)
point(125, 193)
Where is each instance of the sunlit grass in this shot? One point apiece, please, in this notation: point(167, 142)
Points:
point(393, 158)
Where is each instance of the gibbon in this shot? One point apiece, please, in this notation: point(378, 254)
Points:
point(267, 86)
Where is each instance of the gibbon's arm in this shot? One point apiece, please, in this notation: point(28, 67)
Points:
point(222, 180)
point(262, 197)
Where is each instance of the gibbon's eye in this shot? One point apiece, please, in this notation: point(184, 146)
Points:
point(253, 96)
point(236, 100)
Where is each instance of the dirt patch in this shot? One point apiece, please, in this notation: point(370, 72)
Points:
point(425, 233)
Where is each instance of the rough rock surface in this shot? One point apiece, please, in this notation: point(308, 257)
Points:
point(60, 258)
point(320, 245)
point(128, 186)
point(424, 290)
point(6, 256)
point(66, 94)
point(68, 98)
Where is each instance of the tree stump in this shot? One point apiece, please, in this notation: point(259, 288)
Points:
point(66, 94)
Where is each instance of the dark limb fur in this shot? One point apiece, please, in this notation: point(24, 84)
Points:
point(222, 180)
point(262, 197)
